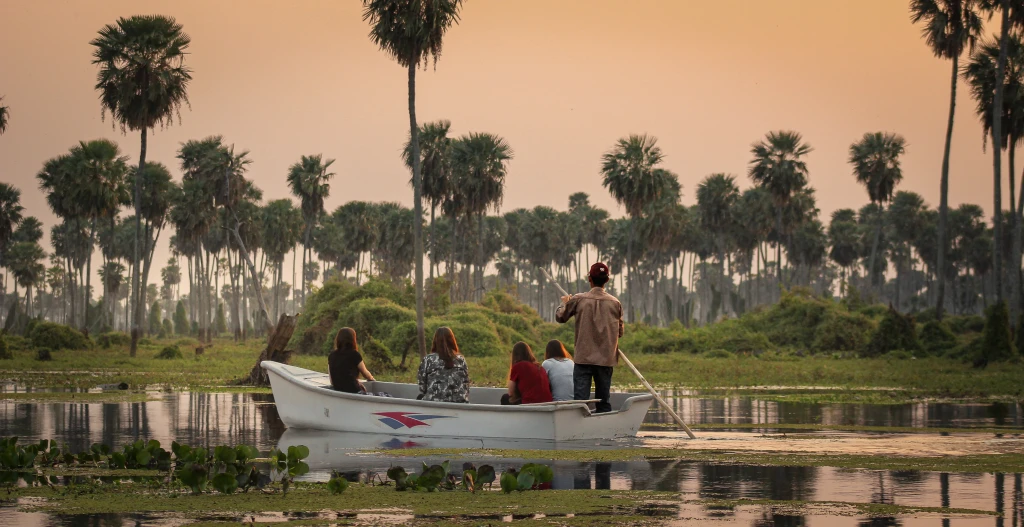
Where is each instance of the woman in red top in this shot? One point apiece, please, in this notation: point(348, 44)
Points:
point(527, 381)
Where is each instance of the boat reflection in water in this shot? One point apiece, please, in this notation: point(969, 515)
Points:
point(349, 453)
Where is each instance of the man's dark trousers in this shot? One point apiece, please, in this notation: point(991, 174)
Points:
point(602, 377)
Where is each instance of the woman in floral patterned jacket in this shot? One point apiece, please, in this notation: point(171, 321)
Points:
point(443, 375)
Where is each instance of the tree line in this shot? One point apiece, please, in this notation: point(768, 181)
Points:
point(730, 252)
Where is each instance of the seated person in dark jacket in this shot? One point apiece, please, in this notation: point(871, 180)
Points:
point(345, 363)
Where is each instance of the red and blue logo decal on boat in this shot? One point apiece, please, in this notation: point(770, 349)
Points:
point(398, 420)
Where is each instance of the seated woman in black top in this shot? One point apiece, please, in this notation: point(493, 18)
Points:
point(345, 363)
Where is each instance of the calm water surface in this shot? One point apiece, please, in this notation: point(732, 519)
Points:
point(212, 419)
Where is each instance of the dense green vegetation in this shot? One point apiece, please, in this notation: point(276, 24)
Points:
point(803, 340)
point(801, 324)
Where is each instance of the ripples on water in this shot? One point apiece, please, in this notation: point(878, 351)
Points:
point(222, 418)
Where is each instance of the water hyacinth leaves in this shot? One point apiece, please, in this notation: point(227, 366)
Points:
point(141, 455)
point(437, 477)
point(474, 478)
point(226, 469)
point(14, 456)
point(337, 485)
point(509, 481)
point(289, 465)
point(530, 476)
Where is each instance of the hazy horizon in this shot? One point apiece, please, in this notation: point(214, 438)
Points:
point(560, 81)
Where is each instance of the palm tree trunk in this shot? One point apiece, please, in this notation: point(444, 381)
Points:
point(1018, 216)
point(87, 294)
point(942, 242)
point(451, 259)
point(1013, 273)
point(630, 267)
point(874, 248)
point(480, 264)
point(254, 277)
point(136, 292)
point(997, 159)
point(433, 240)
point(417, 232)
point(148, 259)
point(305, 248)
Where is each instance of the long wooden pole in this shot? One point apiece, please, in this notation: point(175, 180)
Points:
point(639, 375)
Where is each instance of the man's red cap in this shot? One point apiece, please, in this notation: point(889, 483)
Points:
point(599, 269)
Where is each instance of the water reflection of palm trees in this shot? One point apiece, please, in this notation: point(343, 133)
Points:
point(206, 419)
point(720, 409)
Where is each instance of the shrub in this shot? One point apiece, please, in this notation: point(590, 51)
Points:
point(873, 311)
point(145, 341)
point(936, 338)
point(793, 321)
point(17, 342)
point(718, 354)
point(169, 352)
point(43, 354)
point(154, 318)
point(899, 355)
point(58, 336)
point(967, 351)
point(996, 343)
point(960, 325)
point(168, 328)
point(5, 352)
point(181, 325)
point(895, 332)
point(113, 338)
point(377, 356)
point(316, 327)
point(842, 331)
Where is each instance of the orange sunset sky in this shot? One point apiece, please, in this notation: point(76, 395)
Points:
point(560, 80)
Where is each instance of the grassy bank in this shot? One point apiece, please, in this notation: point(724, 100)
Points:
point(889, 380)
point(370, 505)
point(1008, 463)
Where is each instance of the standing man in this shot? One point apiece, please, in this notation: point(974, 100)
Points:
point(598, 328)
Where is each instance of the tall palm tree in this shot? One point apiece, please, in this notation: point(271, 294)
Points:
point(308, 180)
point(950, 28)
point(876, 165)
point(842, 240)
point(716, 195)
point(906, 218)
point(98, 188)
point(282, 226)
point(981, 75)
point(479, 166)
point(778, 165)
point(10, 216)
point(143, 82)
point(412, 32)
point(435, 168)
point(632, 174)
point(1012, 16)
point(24, 262)
point(5, 115)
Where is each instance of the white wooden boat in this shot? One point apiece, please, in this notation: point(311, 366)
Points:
point(306, 400)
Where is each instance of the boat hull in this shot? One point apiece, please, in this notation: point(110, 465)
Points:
point(305, 400)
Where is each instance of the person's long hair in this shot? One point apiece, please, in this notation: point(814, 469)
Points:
point(556, 350)
point(345, 340)
point(445, 346)
point(521, 352)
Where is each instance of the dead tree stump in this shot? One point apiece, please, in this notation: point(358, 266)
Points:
point(278, 339)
